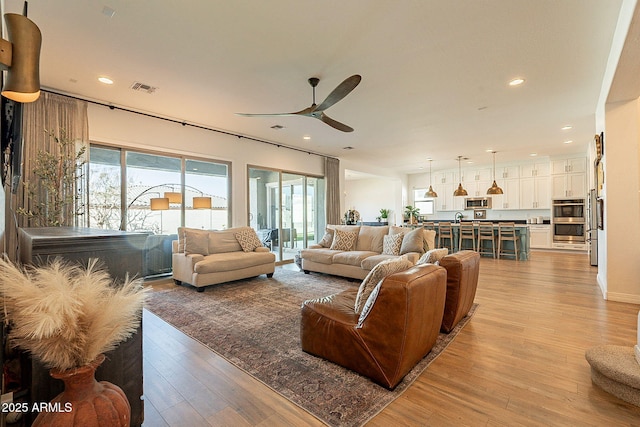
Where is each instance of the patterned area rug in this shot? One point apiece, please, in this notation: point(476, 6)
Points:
point(255, 324)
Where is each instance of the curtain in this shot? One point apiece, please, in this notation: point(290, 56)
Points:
point(56, 115)
point(332, 176)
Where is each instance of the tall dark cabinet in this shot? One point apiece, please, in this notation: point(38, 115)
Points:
point(121, 253)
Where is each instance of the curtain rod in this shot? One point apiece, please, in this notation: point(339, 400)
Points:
point(184, 123)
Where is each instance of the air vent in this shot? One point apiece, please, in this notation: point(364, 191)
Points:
point(142, 87)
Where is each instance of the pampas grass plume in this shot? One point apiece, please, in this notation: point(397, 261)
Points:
point(66, 315)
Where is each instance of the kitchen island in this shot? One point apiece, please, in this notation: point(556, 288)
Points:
point(522, 231)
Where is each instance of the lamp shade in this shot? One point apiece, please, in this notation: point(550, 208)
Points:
point(202, 203)
point(159, 204)
point(173, 197)
point(22, 83)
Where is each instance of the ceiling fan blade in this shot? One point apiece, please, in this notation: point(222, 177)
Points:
point(305, 112)
point(342, 90)
point(334, 123)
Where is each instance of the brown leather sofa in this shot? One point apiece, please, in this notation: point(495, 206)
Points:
point(462, 281)
point(403, 324)
point(400, 329)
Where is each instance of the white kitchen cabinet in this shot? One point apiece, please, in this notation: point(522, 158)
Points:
point(477, 188)
point(445, 177)
point(477, 175)
point(446, 201)
point(533, 170)
point(569, 185)
point(564, 166)
point(507, 172)
point(534, 193)
point(510, 197)
point(540, 236)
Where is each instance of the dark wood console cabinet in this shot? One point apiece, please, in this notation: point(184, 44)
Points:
point(121, 253)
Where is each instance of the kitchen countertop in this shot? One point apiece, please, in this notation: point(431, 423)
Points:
point(515, 221)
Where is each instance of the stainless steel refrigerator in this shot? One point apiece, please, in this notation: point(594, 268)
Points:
point(592, 237)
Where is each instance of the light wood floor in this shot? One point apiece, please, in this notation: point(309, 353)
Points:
point(520, 361)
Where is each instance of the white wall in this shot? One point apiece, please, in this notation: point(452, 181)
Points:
point(368, 196)
point(135, 131)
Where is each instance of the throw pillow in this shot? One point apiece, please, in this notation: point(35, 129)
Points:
point(391, 244)
point(368, 305)
point(248, 239)
point(433, 256)
point(327, 239)
point(377, 273)
point(196, 242)
point(429, 239)
point(344, 240)
point(413, 241)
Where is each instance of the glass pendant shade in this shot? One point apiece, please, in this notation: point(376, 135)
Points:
point(460, 191)
point(494, 189)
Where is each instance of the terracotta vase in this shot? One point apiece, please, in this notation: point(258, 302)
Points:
point(85, 401)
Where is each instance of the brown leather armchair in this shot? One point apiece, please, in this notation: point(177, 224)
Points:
point(399, 330)
point(462, 280)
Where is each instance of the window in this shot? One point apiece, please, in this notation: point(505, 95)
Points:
point(425, 204)
point(198, 191)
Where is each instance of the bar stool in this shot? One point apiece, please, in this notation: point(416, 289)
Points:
point(445, 232)
point(507, 233)
point(429, 225)
point(485, 234)
point(467, 233)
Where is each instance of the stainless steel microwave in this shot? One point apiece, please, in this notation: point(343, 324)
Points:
point(477, 203)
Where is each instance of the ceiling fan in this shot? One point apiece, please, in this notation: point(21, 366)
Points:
point(317, 111)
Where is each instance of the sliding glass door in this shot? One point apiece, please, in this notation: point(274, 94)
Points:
point(283, 209)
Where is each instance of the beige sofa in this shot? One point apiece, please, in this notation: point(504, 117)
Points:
point(208, 257)
point(366, 251)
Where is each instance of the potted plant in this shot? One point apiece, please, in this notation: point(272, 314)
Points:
point(411, 214)
point(67, 317)
point(384, 215)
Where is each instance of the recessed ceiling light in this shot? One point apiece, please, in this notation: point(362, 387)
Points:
point(533, 154)
point(347, 148)
point(568, 142)
point(105, 80)
point(516, 82)
point(567, 127)
point(489, 150)
point(306, 137)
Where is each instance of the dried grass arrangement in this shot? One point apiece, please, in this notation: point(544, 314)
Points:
point(67, 315)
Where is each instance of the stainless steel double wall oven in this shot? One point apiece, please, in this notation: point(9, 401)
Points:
point(568, 220)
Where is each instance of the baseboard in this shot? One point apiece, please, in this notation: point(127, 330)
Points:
point(630, 298)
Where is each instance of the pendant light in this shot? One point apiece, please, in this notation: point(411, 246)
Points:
point(430, 192)
point(460, 191)
point(494, 189)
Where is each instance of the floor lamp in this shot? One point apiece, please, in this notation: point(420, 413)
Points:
point(203, 202)
point(160, 204)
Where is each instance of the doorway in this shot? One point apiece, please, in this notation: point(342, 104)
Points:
point(286, 209)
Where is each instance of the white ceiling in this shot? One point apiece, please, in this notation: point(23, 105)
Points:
point(434, 72)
